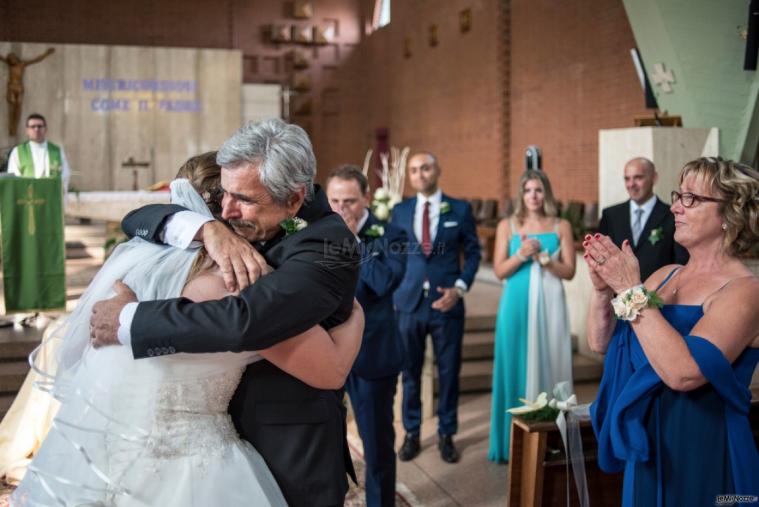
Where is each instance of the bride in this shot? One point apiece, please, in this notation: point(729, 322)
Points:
point(156, 431)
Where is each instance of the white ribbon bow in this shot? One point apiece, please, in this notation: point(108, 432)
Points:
point(570, 412)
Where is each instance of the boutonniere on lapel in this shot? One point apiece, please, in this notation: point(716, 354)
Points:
point(445, 207)
point(293, 225)
point(655, 235)
point(375, 231)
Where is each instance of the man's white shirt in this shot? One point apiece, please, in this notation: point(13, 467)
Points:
point(41, 161)
point(179, 231)
point(647, 207)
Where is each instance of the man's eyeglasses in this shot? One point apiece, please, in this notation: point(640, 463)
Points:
point(688, 199)
point(36, 127)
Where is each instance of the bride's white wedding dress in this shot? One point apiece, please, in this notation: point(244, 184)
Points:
point(144, 432)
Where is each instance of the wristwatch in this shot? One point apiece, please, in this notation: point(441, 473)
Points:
point(460, 291)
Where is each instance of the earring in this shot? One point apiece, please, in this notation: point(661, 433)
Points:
point(724, 227)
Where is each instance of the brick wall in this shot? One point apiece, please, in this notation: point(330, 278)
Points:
point(571, 75)
point(447, 99)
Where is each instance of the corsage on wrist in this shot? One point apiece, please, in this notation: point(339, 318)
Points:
point(544, 258)
point(628, 304)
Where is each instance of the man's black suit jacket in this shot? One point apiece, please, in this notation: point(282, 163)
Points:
point(651, 253)
point(300, 431)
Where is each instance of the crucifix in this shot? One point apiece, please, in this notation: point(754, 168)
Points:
point(134, 165)
point(30, 202)
point(15, 93)
point(663, 77)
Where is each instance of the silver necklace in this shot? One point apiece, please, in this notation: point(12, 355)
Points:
point(675, 289)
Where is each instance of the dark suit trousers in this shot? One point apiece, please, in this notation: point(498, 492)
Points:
point(447, 334)
point(372, 402)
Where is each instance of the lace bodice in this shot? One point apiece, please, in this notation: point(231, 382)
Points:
point(191, 416)
point(187, 414)
point(199, 396)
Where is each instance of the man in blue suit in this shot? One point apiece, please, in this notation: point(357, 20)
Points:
point(371, 383)
point(429, 300)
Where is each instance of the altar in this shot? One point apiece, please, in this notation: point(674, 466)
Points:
point(110, 206)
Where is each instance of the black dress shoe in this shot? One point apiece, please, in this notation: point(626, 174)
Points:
point(410, 448)
point(448, 451)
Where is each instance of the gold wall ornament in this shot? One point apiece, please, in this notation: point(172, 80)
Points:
point(278, 33)
point(30, 202)
point(297, 60)
point(300, 82)
point(302, 34)
point(302, 9)
point(465, 20)
point(324, 34)
point(432, 36)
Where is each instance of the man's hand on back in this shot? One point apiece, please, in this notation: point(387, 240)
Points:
point(104, 323)
point(240, 263)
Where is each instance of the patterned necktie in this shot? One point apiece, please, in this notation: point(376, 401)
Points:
point(637, 226)
point(426, 242)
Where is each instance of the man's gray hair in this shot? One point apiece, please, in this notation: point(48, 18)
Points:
point(282, 152)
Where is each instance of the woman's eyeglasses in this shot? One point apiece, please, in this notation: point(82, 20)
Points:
point(688, 199)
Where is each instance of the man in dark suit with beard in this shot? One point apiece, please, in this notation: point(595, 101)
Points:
point(371, 383)
point(270, 200)
point(644, 220)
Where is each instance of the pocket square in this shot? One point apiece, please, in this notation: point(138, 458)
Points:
point(450, 224)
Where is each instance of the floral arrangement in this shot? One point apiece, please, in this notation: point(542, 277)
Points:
point(537, 410)
point(542, 410)
point(628, 304)
point(393, 176)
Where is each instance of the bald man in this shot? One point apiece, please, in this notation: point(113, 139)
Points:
point(644, 220)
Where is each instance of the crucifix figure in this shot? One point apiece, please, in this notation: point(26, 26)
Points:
point(663, 77)
point(30, 202)
point(15, 94)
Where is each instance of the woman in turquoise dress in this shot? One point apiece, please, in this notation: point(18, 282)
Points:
point(672, 407)
point(534, 251)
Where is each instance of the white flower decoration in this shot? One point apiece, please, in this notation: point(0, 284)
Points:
point(530, 406)
point(638, 298)
point(382, 212)
point(381, 194)
point(621, 310)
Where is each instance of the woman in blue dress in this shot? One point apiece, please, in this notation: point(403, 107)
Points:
point(534, 250)
point(672, 408)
